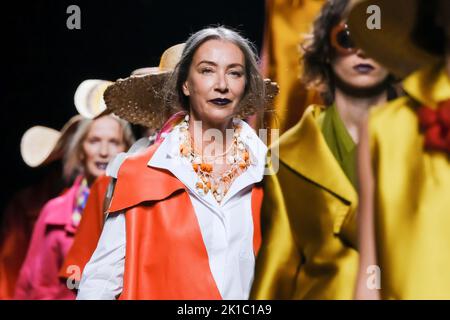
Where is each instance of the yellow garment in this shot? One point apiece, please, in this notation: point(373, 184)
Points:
point(287, 23)
point(412, 194)
point(308, 221)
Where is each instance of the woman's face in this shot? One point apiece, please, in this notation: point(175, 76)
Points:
point(216, 82)
point(358, 71)
point(103, 141)
point(350, 65)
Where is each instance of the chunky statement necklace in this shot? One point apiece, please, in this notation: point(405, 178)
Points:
point(236, 156)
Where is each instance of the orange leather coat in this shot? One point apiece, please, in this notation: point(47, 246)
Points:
point(166, 257)
point(88, 232)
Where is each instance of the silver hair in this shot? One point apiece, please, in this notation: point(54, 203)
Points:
point(254, 82)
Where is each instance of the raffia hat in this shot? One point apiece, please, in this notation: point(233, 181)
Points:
point(144, 71)
point(139, 98)
point(393, 45)
point(41, 145)
point(88, 97)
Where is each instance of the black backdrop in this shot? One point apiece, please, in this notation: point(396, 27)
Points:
point(43, 61)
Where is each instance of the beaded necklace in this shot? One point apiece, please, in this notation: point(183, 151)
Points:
point(237, 157)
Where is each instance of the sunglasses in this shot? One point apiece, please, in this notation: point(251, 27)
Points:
point(340, 39)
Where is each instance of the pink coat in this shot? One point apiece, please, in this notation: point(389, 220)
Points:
point(52, 238)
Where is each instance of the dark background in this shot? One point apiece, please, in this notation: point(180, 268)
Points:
point(44, 62)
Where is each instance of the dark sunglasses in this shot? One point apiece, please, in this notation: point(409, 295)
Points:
point(340, 39)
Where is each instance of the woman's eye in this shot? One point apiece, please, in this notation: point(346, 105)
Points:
point(114, 142)
point(93, 140)
point(206, 70)
point(236, 74)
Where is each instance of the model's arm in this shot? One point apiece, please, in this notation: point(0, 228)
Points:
point(102, 278)
point(366, 224)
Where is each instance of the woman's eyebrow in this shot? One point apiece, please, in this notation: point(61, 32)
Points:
point(207, 62)
point(235, 65)
point(232, 65)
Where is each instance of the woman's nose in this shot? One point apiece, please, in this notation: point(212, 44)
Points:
point(221, 83)
point(360, 53)
point(104, 150)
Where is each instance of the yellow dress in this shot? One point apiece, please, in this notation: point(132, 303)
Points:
point(308, 220)
point(412, 194)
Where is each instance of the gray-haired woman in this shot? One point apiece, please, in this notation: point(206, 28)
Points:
point(184, 218)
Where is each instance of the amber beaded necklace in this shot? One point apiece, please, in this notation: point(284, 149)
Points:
point(237, 158)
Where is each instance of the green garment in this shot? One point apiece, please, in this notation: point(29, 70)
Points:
point(340, 142)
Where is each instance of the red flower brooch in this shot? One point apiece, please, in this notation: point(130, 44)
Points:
point(435, 123)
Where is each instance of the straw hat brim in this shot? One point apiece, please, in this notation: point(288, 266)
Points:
point(41, 145)
point(392, 45)
point(88, 98)
point(140, 99)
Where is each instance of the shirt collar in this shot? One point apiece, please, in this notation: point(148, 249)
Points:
point(61, 213)
point(304, 150)
point(167, 156)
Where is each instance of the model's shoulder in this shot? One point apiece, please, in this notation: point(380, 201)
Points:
point(130, 161)
point(310, 116)
point(393, 110)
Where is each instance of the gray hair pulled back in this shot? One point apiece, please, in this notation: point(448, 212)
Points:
point(254, 82)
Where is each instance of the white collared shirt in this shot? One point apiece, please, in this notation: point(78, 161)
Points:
point(226, 228)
